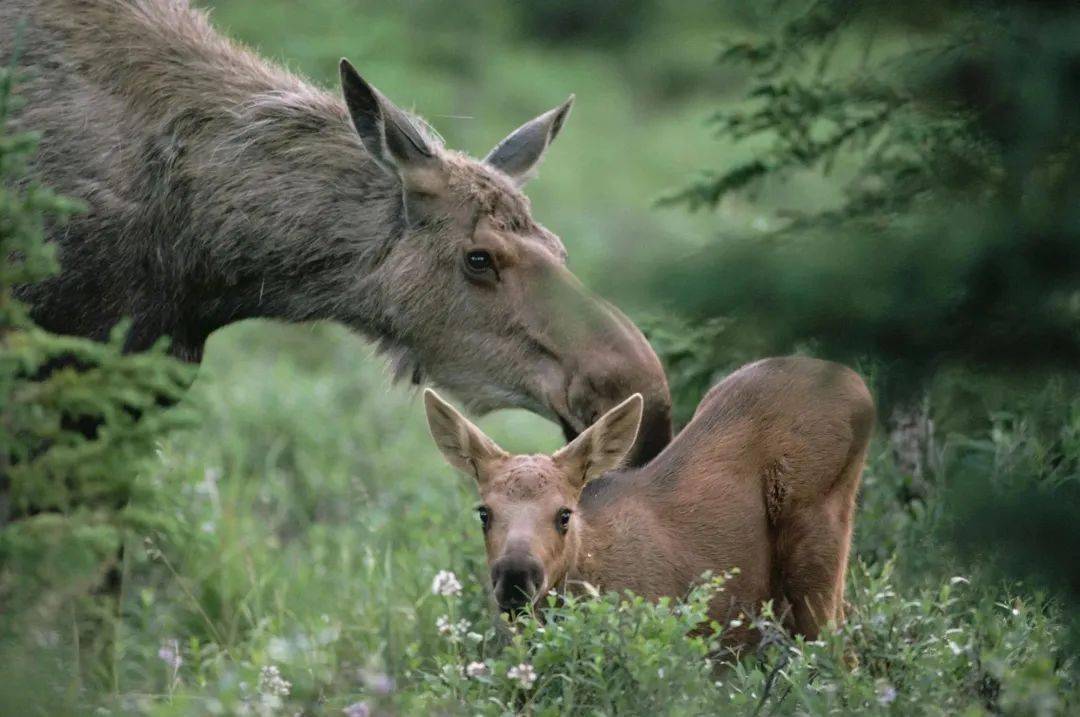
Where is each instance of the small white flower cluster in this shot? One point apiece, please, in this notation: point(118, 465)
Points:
point(169, 652)
point(523, 674)
point(454, 630)
point(272, 683)
point(476, 669)
point(446, 584)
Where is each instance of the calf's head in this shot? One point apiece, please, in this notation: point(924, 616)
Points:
point(475, 296)
point(528, 502)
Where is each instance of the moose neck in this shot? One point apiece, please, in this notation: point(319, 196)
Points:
point(235, 191)
point(290, 221)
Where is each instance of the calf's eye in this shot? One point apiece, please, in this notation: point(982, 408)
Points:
point(485, 517)
point(563, 520)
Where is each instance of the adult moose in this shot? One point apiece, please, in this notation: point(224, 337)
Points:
point(763, 479)
point(220, 187)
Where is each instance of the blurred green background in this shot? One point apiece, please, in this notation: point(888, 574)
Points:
point(297, 523)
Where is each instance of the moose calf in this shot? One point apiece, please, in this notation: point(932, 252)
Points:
point(763, 478)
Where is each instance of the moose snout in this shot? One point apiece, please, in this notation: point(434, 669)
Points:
point(516, 579)
point(595, 393)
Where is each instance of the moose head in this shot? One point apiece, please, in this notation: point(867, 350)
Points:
point(527, 502)
point(476, 297)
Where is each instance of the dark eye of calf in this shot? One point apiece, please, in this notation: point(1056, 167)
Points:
point(485, 517)
point(562, 520)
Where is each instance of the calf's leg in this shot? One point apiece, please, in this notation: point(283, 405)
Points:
point(812, 547)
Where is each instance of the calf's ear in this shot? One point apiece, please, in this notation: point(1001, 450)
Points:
point(604, 445)
point(389, 134)
point(464, 446)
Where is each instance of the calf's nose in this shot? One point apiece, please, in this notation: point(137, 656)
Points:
point(516, 581)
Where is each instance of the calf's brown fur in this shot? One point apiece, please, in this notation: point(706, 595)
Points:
point(763, 479)
point(220, 187)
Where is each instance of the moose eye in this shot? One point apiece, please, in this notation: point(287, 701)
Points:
point(485, 517)
point(479, 261)
point(563, 520)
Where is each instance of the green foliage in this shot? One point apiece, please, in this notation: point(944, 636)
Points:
point(606, 654)
point(77, 418)
point(608, 22)
point(947, 259)
point(950, 131)
point(939, 649)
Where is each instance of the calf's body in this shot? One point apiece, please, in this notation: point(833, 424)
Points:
point(763, 479)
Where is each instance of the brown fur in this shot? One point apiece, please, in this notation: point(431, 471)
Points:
point(763, 478)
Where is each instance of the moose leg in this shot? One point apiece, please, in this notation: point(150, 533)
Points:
point(813, 542)
point(811, 552)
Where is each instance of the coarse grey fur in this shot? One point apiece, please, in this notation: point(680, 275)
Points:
point(220, 187)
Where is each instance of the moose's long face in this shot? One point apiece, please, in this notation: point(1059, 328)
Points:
point(528, 504)
point(479, 298)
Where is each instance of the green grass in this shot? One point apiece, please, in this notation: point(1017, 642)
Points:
point(310, 513)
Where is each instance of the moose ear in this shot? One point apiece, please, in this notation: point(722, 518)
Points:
point(463, 445)
point(387, 132)
point(604, 445)
point(520, 153)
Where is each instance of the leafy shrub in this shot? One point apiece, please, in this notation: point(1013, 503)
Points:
point(941, 648)
point(605, 654)
point(77, 418)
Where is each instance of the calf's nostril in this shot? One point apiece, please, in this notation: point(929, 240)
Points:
point(516, 583)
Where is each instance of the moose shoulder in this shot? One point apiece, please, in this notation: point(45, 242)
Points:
point(220, 187)
point(762, 479)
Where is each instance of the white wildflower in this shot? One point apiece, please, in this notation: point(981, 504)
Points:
point(446, 583)
point(169, 652)
point(272, 683)
point(958, 579)
point(357, 709)
point(454, 630)
point(475, 637)
point(956, 649)
point(523, 674)
point(476, 669)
